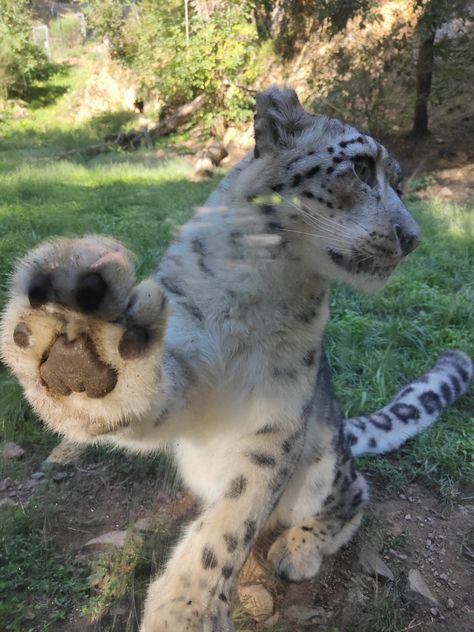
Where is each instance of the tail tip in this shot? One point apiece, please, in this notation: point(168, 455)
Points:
point(459, 359)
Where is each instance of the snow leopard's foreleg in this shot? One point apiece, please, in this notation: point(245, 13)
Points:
point(194, 592)
point(86, 343)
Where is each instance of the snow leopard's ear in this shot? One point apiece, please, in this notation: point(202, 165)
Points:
point(278, 120)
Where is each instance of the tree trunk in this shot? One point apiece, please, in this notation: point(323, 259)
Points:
point(424, 76)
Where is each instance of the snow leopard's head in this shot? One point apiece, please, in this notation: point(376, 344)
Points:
point(336, 191)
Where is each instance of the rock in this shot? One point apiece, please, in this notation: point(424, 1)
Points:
point(271, 621)
point(398, 555)
point(37, 475)
point(449, 603)
point(59, 476)
point(304, 613)
point(7, 502)
point(434, 612)
point(115, 538)
point(144, 524)
point(66, 452)
point(418, 585)
point(11, 451)
point(252, 571)
point(256, 600)
point(373, 564)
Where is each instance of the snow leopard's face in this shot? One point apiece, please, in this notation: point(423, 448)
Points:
point(340, 190)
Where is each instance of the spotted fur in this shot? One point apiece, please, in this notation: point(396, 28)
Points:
point(219, 354)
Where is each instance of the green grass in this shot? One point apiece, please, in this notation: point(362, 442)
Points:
point(37, 582)
point(379, 342)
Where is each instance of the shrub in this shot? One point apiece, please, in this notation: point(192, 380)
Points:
point(21, 61)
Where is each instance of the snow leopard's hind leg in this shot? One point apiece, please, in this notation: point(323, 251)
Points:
point(324, 500)
point(413, 409)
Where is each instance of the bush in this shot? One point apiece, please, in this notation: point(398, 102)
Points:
point(66, 32)
point(219, 58)
point(21, 61)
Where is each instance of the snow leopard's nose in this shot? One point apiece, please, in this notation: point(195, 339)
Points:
point(408, 239)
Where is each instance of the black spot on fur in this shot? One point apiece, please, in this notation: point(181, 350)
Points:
point(277, 187)
point(278, 482)
point(343, 143)
point(193, 310)
point(463, 374)
point(455, 383)
point(406, 391)
point(307, 529)
point(330, 150)
point(296, 180)
point(337, 159)
point(311, 152)
point(307, 194)
point(357, 500)
point(208, 558)
point(372, 443)
point(250, 529)
point(223, 598)
point(237, 487)
point(275, 227)
point(172, 287)
point(405, 412)
point(329, 204)
point(312, 172)
point(267, 209)
point(286, 446)
point(262, 459)
point(328, 500)
point(381, 421)
point(446, 392)
point(329, 169)
point(352, 438)
point(431, 402)
point(227, 571)
point(231, 542)
point(266, 429)
point(310, 357)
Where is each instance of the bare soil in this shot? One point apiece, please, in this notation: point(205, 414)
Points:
point(412, 530)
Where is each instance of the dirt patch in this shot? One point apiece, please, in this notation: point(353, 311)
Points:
point(409, 531)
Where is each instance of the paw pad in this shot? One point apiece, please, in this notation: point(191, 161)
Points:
point(39, 290)
point(90, 292)
point(133, 342)
point(21, 335)
point(76, 367)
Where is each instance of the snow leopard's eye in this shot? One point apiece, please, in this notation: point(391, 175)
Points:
point(364, 168)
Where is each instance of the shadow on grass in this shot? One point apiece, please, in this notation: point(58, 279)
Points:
point(54, 141)
point(45, 93)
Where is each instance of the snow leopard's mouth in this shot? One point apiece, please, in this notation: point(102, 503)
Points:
point(362, 263)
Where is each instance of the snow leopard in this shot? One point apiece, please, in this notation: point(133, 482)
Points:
point(219, 354)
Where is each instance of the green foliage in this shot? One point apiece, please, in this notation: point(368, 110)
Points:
point(21, 61)
point(35, 579)
point(218, 57)
point(65, 33)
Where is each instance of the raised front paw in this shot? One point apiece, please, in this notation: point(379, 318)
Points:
point(75, 330)
point(186, 604)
